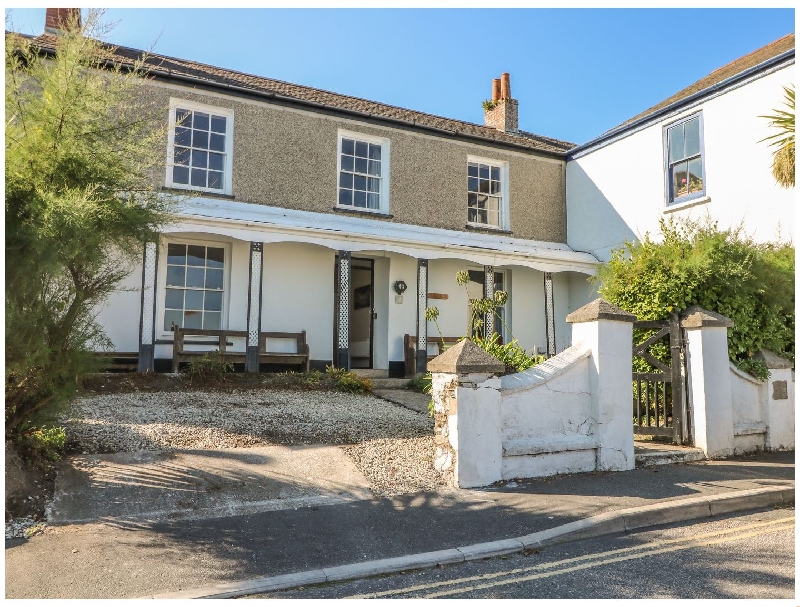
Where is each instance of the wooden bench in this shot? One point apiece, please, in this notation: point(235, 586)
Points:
point(301, 356)
point(410, 350)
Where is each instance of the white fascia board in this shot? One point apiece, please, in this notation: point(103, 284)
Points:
point(261, 223)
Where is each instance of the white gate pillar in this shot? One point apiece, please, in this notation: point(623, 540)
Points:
point(608, 331)
point(709, 380)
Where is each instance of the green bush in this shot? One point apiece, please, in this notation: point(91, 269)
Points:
point(513, 355)
point(46, 442)
point(209, 368)
point(695, 263)
point(295, 379)
point(347, 381)
point(420, 383)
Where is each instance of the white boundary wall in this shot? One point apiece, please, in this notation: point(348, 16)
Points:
point(569, 414)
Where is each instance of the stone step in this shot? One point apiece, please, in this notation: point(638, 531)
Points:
point(388, 383)
point(372, 373)
point(659, 455)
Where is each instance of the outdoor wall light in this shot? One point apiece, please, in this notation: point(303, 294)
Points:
point(400, 287)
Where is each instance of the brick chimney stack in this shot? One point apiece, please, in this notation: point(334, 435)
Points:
point(503, 114)
point(58, 20)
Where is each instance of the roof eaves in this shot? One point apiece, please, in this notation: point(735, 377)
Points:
point(616, 132)
point(528, 142)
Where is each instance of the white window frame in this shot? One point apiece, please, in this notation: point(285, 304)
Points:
point(694, 196)
point(385, 163)
point(161, 283)
point(504, 219)
point(175, 103)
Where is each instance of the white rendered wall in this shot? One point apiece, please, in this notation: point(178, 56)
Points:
point(617, 192)
point(453, 310)
point(527, 308)
point(749, 429)
point(298, 293)
point(402, 316)
point(119, 314)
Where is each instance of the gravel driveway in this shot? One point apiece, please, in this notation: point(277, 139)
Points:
point(391, 445)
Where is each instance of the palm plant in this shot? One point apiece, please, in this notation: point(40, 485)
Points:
point(783, 140)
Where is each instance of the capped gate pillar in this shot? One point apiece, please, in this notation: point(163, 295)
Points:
point(709, 380)
point(608, 331)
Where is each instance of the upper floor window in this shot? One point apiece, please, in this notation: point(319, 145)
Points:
point(486, 193)
point(685, 177)
point(200, 146)
point(363, 170)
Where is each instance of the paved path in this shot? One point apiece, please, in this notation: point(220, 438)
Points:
point(119, 558)
point(413, 400)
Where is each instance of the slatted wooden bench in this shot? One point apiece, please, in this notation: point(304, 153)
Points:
point(301, 356)
point(410, 350)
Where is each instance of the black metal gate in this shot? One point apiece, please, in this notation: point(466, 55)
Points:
point(659, 397)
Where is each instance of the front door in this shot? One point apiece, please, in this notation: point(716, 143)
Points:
point(362, 311)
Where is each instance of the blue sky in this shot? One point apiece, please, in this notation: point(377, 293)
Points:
point(576, 72)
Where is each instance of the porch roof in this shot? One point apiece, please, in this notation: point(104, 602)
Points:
point(260, 223)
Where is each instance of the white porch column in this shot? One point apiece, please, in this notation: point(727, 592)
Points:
point(709, 380)
point(608, 331)
point(254, 306)
point(550, 318)
point(488, 293)
point(422, 322)
point(343, 313)
point(147, 316)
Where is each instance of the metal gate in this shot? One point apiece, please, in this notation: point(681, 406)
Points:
point(659, 395)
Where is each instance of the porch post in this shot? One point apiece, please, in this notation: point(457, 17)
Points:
point(488, 293)
point(147, 317)
point(251, 364)
point(549, 314)
point(343, 334)
point(422, 322)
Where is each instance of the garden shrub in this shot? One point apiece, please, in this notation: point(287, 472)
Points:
point(347, 381)
point(209, 368)
point(725, 271)
point(44, 442)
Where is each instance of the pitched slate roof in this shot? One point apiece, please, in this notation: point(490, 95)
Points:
point(727, 71)
point(164, 66)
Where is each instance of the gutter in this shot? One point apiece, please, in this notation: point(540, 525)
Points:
point(718, 87)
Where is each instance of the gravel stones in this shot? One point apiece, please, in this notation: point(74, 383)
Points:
point(391, 445)
point(204, 420)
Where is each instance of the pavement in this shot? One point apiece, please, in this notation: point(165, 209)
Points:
point(297, 527)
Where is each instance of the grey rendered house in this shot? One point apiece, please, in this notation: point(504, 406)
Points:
point(304, 209)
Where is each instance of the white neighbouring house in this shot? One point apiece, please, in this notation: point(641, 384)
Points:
point(698, 152)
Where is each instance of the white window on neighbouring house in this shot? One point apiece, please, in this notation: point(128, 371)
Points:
point(486, 194)
point(363, 169)
point(200, 147)
point(685, 175)
point(194, 286)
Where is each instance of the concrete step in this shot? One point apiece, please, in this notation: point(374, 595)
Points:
point(655, 454)
point(372, 373)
